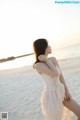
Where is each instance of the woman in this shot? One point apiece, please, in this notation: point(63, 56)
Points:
point(56, 100)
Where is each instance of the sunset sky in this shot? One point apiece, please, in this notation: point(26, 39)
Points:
point(23, 21)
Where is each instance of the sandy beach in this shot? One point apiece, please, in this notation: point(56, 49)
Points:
point(20, 89)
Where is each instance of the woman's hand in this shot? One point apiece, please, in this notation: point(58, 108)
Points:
point(42, 58)
point(68, 96)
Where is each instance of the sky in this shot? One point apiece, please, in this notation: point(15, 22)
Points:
point(23, 21)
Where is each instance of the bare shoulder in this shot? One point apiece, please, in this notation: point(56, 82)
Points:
point(39, 66)
point(54, 60)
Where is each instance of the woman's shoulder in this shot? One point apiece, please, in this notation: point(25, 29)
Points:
point(38, 64)
point(53, 58)
point(41, 67)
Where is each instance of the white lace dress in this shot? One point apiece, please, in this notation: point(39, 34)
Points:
point(52, 99)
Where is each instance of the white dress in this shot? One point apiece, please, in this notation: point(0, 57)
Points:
point(52, 99)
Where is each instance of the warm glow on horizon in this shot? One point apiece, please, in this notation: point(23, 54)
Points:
point(21, 22)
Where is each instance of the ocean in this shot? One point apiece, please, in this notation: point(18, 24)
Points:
point(67, 52)
point(20, 88)
point(62, 53)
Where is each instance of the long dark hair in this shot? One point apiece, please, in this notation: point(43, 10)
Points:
point(39, 47)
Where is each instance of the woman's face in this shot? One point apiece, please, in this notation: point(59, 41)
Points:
point(48, 50)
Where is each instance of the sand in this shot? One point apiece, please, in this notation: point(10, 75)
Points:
point(20, 89)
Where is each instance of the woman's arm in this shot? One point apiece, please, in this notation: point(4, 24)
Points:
point(63, 81)
point(52, 67)
point(46, 66)
point(68, 96)
point(61, 75)
point(43, 68)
